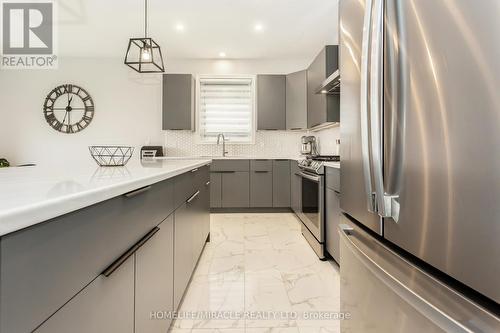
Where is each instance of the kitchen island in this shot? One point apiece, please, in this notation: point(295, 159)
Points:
point(100, 249)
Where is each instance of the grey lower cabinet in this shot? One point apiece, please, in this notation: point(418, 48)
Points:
point(154, 278)
point(236, 189)
point(215, 190)
point(54, 275)
point(183, 251)
point(261, 188)
point(296, 100)
point(178, 102)
point(105, 305)
point(281, 183)
point(271, 102)
point(295, 188)
point(332, 220)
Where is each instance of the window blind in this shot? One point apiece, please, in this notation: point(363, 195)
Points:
point(226, 106)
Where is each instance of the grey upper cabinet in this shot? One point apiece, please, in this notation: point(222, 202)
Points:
point(271, 102)
point(281, 183)
point(296, 100)
point(105, 305)
point(322, 108)
point(178, 102)
point(154, 278)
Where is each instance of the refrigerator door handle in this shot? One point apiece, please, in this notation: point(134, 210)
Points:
point(445, 308)
point(384, 201)
point(365, 139)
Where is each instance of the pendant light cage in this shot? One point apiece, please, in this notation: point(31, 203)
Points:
point(144, 54)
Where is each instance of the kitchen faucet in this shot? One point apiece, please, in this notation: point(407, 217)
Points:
point(224, 152)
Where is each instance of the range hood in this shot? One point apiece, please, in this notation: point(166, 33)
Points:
point(331, 86)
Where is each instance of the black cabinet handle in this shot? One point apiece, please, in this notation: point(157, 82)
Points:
point(118, 262)
point(262, 160)
point(191, 198)
point(261, 171)
point(137, 192)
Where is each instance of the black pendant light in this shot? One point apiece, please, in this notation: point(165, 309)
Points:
point(144, 54)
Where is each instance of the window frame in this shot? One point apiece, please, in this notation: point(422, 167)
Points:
point(203, 140)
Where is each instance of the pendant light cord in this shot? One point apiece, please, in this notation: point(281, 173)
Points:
point(146, 18)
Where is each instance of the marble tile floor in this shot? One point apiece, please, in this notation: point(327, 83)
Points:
point(259, 275)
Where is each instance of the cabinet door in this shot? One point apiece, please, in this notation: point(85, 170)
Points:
point(296, 187)
point(105, 305)
point(183, 251)
point(271, 102)
point(281, 183)
point(236, 189)
point(178, 102)
point(332, 223)
point(296, 100)
point(215, 190)
point(261, 188)
point(154, 279)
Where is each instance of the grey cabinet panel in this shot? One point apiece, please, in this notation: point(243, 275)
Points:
point(236, 189)
point(322, 108)
point(296, 187)
point(43, 266)
point(261, 165)
point(230, 165)
point(261, 188)
point(154, 279)
point(296, 100)
point(271, 102)
point(183, 251)
point(105, 305)
point(215, 190)
point(333, 178)
point(178, 102)
point(332, 223)
point(281, 183)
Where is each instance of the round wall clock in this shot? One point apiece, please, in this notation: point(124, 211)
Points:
point(68, 108)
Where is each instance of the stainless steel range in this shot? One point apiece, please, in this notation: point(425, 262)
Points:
point(312, 210)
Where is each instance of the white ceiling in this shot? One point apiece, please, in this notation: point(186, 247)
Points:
point(292, 29)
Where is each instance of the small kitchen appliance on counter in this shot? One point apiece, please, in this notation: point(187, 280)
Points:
point(151, 151)
point(309, 146)
point(312, 193)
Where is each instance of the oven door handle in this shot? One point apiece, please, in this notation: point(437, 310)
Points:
point(315, 179)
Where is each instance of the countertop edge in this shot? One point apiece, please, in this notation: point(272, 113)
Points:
point(30, 215)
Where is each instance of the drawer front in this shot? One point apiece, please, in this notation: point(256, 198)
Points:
point(333, 179)
point(261, 165)
point(230, 165)
point(96, 307)
point(42, 267)
point(185, 186)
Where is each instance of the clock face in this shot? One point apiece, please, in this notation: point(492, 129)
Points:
point(68, 108)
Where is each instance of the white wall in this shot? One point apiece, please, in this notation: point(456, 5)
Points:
point(128, 105)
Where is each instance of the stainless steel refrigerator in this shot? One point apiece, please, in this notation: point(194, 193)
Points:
point(420, 165)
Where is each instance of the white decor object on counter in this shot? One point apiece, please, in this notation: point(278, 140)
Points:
point(32, 195)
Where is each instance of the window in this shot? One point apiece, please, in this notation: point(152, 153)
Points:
point(226, 105)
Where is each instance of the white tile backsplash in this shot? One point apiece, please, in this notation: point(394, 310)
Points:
point(267, 143)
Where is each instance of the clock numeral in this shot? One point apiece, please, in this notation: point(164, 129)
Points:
point(86, 119)
point(50, 118)
point(61, 90)
point(69, 88)
point(57, 125)
point(89, 108)
point(69, 128)
point(79, 126)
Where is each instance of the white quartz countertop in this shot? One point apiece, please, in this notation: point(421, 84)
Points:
point(30, 195)
point(234, 157)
